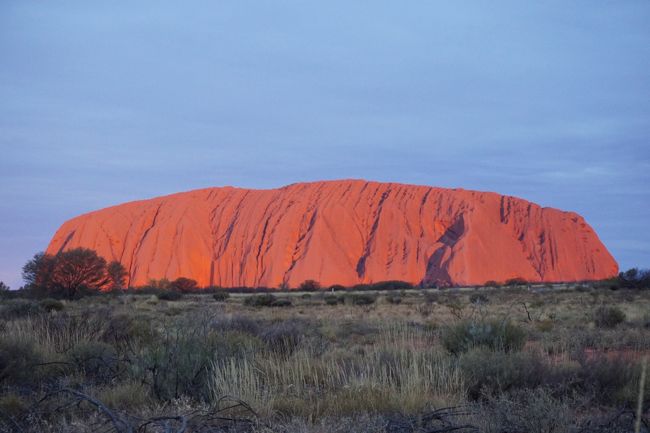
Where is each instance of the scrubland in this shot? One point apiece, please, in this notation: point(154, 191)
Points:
point(509, 360)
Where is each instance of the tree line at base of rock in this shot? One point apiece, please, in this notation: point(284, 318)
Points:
point(78, 272)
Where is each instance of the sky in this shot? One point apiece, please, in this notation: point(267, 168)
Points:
point(107, 102)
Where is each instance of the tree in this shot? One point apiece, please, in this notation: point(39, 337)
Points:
point(116, 275)
point(38, 271)
point(309, 286)
point(635, 278)
point(183, 284)
point(67, 273)
point(3, 287)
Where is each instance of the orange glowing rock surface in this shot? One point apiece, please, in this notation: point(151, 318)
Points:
point(340, 232)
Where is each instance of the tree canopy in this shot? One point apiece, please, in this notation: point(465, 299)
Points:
point(70, 273)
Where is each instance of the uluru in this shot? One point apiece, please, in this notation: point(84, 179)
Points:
point(340, 232)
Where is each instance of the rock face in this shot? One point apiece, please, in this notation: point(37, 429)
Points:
point(340, 232)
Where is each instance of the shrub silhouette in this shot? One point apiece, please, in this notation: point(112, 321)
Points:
point(309, 286)
point(608, 317)
point(169, 295)
point(264, 300)
point(69, 273)
point(184, 285)
point(496, 334)
point(221, 296)
point(49, 305)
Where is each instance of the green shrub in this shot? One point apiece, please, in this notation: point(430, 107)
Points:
point(606, 380)
point(49, 305)
point(496, 334)
point(264, 300)
point(332, 299)
point(478, 299)
point(96, 360)
point(127, 396)
point(531, 411)
point(16, 308)
point(169, 295)
point(179, 363)
point(284, 336)
point(282, 302)
point(129, 331)
point(491, 283)
point(394, 299)
point(363, 299)
point(236, 323)
point(18, 359)
point(221, 296)
point(608, 317)
point(489, 372)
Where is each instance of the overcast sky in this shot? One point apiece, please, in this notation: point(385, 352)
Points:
point(104, 102)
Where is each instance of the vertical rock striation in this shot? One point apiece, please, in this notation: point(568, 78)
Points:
point(343, 232)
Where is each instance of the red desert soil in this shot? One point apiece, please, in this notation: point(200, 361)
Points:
point(344, 232)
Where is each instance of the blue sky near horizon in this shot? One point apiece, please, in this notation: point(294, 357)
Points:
point(104, 103)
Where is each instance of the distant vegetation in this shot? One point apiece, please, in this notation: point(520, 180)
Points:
point(79, 272)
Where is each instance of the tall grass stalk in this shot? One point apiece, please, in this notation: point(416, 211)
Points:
point(400, 373)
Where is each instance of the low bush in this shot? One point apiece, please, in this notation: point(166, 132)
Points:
point(96, 360)
point(169, 295)
point(285, 336)
point(176, 366)
point(362, 299)
point(128, 396)
point(18, 359)
point(496, 334)
point(309, 286)
point(516, 282)
point(391, 285)
point(16, 308)
point(530, 411)
point(332, 299)
point(129, 331)
point(184, 285)
point(608, 317)
point(221, 296)
point(49, 305)
point(265, 300)
point(282, 302)
point(488, 372)
point(236, 323)
point(608, 380)
point(394, 299)
point(479, 299)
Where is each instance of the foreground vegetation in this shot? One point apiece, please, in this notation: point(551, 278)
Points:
point(491, 360)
